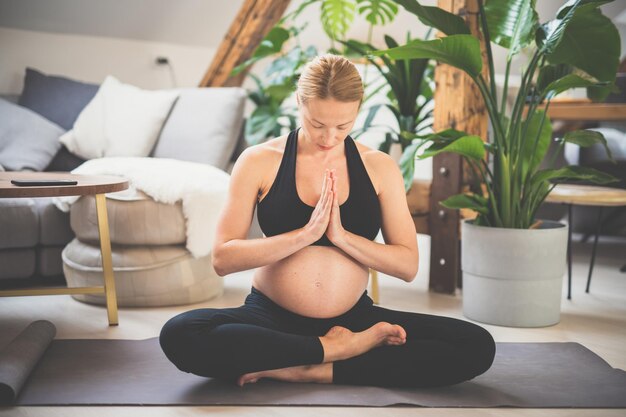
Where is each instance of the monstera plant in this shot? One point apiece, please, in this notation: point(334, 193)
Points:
point(513, 265)
point(580, 47)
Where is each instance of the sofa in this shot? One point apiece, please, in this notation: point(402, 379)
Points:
point(41, 245)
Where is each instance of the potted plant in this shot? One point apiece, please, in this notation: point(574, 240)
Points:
point(513, 264)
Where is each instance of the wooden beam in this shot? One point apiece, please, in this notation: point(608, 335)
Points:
point(458, 105)
point(254, 20)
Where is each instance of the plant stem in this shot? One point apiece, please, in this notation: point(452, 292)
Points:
point(505, 90)
point(485, 28)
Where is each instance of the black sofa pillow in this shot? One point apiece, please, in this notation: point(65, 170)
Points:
point(56, 98)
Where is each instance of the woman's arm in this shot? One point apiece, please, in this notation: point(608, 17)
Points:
point(232, 251)
point(399, 256)
point(242, 254)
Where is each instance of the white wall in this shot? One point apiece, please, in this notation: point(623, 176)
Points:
point(91, 58)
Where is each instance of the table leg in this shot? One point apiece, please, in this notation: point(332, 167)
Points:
point(595, 246)
point(107, 262)
point(569, 251)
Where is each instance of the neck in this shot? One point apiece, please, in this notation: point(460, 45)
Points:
point(308, 148)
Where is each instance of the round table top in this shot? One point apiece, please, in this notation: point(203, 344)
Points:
point(87, 184)
point(587, 195)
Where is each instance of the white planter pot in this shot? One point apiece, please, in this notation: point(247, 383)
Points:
point(513, 277)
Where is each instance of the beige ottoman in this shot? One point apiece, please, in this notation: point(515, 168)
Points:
point(150, 262)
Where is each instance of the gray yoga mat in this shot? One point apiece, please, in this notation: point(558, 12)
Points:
point(136, 372)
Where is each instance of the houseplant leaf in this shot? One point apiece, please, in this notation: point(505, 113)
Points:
point(446, 22)
point(586, 138)
point(470, 146)
point(511, 23)
point(596, 41)
point(573, 172)
point(378, 12)
point(537, 141)
point(337, 15)
point(460, 51)
point(470, 201)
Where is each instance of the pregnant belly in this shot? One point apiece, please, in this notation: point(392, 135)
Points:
point(316, 281)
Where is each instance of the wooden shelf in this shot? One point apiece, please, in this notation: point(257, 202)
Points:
point(583, 109)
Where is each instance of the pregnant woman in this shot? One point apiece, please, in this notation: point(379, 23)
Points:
point(321, 199)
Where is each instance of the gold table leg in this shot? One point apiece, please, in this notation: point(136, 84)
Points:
point(374, 280)
point(107, 262)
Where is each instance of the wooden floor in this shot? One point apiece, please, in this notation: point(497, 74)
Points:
point(597, 320)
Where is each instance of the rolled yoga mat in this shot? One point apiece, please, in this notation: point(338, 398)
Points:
point(136, 372)
point(18, 358)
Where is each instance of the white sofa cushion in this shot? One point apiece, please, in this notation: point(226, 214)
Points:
point(204, 126)
point(121, 120)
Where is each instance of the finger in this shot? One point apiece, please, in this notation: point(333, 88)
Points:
point(324, 183)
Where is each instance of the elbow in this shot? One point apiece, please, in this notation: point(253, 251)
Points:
point(410, 277)
point(218, 264)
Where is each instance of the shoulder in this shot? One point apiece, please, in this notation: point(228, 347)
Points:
point(381, 167)
point(262, 155)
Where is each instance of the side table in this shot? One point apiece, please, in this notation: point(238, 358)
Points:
point(87, 185)
point(585, 195)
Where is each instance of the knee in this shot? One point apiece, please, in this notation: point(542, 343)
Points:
point(174, 339)
point(482, 351)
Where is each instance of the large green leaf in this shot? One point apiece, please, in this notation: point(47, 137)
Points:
point(461, 51)
point(532, 154)
point(568, 82)
point(511, 23)
point(446, 22)
point(378, 12)
point(271, 44)
point(573, 172)
point(407, 163)
point(590, 42)
point(336, 17)
point(469, 146)
point(586, 138)
point(471, 201)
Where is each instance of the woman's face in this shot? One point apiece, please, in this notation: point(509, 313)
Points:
point(327, 122)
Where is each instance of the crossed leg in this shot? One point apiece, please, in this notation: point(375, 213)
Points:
point(339, 343)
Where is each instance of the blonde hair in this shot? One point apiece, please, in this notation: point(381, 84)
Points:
point(330, 76)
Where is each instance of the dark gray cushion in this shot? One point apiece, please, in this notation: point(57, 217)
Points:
point(19, 223)
point(56, 98)
point(49, 261)
point(28, 141)
point(17, 263)
point(64, 160)
point(54, 225)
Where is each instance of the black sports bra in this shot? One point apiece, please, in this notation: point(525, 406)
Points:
point(281, 210)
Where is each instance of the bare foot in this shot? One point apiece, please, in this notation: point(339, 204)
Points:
point(341, 343)
point(322, 373)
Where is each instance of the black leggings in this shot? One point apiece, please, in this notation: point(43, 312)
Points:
point(226, 343)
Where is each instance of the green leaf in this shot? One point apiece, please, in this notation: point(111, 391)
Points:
point(590, 42)
point(378, 12)
point(470, 201)
point(511, 23)
point(407, 163)
point(446, 22)
point(261, 124)
point(531, 160)
point(337, 16)
point(469, 146)
point(587, 138)
point(573, 172)
point(271, 44)
point(461, 51)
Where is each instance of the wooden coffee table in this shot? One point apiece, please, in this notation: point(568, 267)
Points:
point(87, 185)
